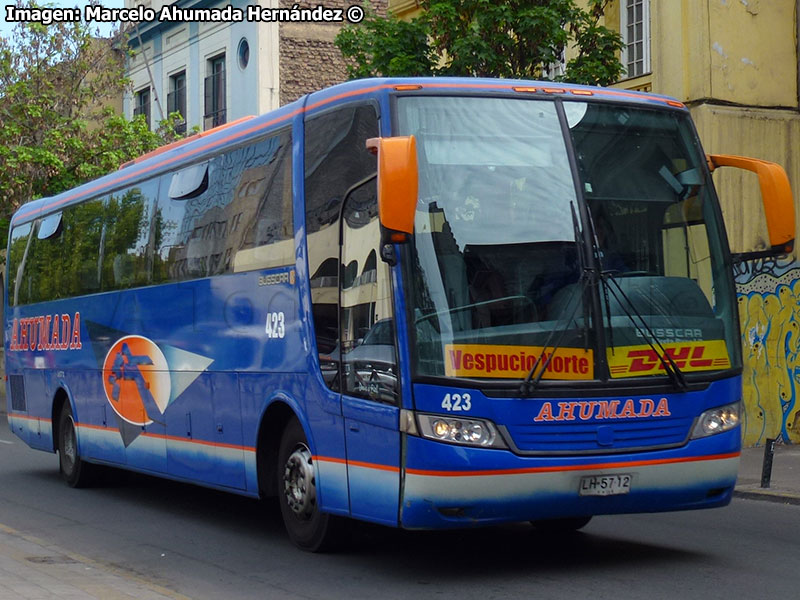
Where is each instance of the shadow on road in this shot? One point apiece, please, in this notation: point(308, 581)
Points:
point(420, 556)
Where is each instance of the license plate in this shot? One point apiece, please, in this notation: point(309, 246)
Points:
point(605, 485)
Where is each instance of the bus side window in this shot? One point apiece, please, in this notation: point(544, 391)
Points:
point(127, 217)
point(261, 227)
point(186, 228)
point(51, 272)
point(237, 216)
point(335, 159)
point(367, 316)
point(17, 257)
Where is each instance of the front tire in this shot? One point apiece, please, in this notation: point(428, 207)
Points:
point(307, 527)
point(76, 472)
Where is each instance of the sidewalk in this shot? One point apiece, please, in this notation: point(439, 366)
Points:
point(33, 569)
point(785, 481)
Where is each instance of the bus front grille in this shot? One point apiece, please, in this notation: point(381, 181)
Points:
point(597, 437)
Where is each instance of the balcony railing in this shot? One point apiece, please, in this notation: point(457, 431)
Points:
point(176, 103)
point(215, 119)
point(215, 107)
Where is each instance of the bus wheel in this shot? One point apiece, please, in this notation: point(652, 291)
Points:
point(308, 528)
point(561, 525)
point(74, 470)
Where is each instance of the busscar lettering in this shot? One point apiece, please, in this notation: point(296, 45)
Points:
point(600, 410)
point(274, 279)
point(46, 333)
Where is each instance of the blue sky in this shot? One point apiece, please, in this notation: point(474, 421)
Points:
point(6, 28)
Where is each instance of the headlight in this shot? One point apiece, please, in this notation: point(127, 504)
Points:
point(468, 432)
point(717, 420)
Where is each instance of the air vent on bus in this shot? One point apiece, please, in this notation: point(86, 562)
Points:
point(17, 384)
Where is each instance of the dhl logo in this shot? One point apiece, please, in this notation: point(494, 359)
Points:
point(635, 361)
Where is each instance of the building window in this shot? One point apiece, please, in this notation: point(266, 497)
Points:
point(215, 109)
point(143, 104)
point(176, 100)
point(635, 27)
point(243, 53)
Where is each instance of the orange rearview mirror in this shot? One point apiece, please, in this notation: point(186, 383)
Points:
point(398, 185)
point(776, 195)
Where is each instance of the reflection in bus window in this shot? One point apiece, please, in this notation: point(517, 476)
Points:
point(335, 159)
point(241, 221)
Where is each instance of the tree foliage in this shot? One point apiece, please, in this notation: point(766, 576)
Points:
point(518, 39)
point(58, 131)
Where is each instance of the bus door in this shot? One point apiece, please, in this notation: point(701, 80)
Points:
point(351, 303)
point(370, 386)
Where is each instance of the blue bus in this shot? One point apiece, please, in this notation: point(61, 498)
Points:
point(424, 303)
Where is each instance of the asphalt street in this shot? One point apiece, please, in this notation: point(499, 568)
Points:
point(152, 538)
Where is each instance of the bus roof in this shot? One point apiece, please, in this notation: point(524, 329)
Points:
point(185, 151)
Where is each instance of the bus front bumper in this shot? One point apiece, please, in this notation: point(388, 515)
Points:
point(455, 486)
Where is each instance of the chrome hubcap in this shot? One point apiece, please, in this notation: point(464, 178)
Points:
point(299, 486)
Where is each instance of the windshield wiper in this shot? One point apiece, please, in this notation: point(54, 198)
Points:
point(587, 275)
point(670, 367)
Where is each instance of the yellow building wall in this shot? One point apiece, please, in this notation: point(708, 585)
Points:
point(725, 50)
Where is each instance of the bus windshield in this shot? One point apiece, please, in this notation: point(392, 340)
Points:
point(498, 266)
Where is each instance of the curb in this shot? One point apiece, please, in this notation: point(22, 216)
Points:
point(768, 495)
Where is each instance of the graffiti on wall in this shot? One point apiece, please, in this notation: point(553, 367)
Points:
point(768, 293)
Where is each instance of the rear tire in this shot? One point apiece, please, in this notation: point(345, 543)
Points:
point(74, 470)
point(561, 525)
point(307, 527)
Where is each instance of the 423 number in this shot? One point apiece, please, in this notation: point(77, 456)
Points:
point(457, 402)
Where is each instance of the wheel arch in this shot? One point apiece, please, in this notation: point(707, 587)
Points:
point(60, 397)
point(280, 410)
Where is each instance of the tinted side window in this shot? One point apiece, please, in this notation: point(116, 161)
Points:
point(367, 315)
point(335, 158)
point(244, 206)
point(99, 245)
point(261, 232)
point(65, 263)
point(81, 241)
point(20, 238)
point(126, 257)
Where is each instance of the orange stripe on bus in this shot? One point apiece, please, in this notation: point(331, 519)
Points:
point(529, 470)
point(557, 469)
point(357, 463)
point(173, 438)
point(14, 415)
